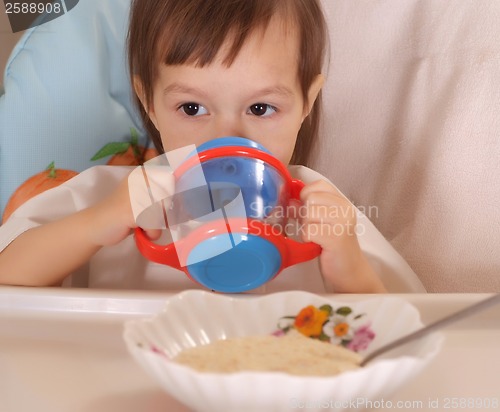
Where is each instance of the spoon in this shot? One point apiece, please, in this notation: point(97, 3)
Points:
point(432, 327)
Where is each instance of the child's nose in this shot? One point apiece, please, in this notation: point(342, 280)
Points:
point(230, 126)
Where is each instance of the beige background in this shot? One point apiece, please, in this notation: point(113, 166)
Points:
point(7, 39)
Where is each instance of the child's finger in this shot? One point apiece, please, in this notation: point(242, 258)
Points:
point(323, 207)
point(330, 237)
point(317, 187)
point(153, 234)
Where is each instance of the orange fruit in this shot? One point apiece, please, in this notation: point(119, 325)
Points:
point(49, 178)
point(128, 153)
point(132, 157)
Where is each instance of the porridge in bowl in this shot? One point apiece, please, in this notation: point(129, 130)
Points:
point(292, 353)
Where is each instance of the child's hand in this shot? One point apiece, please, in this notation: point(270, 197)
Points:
point(118, 214)
point(331, 222)
point(112, 218)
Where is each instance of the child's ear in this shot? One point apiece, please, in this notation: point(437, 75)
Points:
point(312, 94)
point(139, 90)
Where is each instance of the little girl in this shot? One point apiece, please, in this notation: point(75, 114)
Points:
point(203, 69)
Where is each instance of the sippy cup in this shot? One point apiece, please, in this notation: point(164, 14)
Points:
point(227, 216)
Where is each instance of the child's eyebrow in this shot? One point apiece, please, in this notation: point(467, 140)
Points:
point(182, 88)
point(277, 90)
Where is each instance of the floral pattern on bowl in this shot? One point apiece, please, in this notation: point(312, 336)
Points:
point(339, 326)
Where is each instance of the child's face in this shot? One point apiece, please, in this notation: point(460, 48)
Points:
point(257, 97)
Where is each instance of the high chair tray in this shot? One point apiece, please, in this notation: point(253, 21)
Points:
point(61, 350)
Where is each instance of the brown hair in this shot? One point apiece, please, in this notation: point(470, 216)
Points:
point(193, 31)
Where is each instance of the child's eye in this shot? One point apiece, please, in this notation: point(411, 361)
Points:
point(193, 109)
point(262, 109)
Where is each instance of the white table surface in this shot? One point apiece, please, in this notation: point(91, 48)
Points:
point(61, 350)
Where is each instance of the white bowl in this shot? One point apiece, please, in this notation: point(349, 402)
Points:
point(194, 318)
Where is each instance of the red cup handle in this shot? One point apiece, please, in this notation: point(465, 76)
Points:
point(164, 254)
point(299, 252)
point(295, 189)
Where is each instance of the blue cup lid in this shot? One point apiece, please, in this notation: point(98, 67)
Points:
point(230, 141)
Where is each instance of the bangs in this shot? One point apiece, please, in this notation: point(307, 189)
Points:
point(196, 31)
